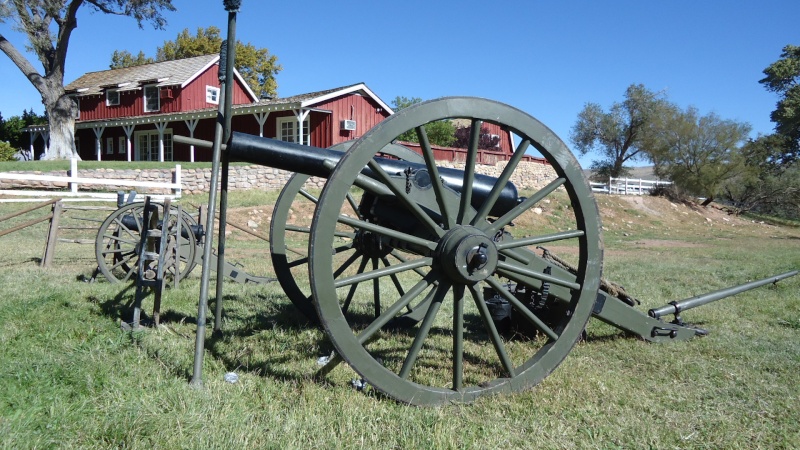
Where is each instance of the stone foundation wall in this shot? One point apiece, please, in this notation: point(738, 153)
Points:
point(528, 175)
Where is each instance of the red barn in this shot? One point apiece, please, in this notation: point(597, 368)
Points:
point(132, 113)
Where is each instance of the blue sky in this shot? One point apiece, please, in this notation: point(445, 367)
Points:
point(548, 58)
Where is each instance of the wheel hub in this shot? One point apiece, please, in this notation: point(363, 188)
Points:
point(466, 255)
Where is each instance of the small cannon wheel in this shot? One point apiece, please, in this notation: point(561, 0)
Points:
point(465, 252)
point(117, 243)
point(289, 234)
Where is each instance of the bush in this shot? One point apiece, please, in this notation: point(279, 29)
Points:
point(6, 151)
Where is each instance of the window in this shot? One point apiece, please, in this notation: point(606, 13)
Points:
point(123, 145)
point(112, 97)
point(151, 101)
point(212, 95)
point(287, 129)
point(147, 145)
point(109, 146)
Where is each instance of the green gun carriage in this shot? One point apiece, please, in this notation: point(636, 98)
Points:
point(459, 301)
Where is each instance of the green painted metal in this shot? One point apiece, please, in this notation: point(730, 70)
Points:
point(118, 240)
point(464, 259)
point(289, 259)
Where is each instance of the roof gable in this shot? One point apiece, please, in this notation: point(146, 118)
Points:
point(312, 98)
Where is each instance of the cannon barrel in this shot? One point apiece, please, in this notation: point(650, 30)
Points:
point(676, 307)
point(317, 162)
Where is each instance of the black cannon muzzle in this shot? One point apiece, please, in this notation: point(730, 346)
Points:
point(317, 161)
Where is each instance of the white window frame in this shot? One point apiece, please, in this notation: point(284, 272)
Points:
point(123, 145)
point(151, 88)
point(152, 155)
point(112, 97)
point(212, 95)
point(109, 146)
point(291, 121)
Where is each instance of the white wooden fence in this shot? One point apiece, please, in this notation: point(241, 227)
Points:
point(627, 186)
point(74, 181)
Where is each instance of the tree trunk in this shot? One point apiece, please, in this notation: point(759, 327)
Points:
point(62, 111)
point(707, 201)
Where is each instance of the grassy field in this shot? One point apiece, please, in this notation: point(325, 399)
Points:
point(69, 377)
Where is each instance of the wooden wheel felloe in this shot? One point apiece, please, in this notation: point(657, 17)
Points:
point(117, 242)
point(452, 251)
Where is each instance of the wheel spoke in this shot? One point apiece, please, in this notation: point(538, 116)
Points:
point(376, 288)
point(491, 228)
point(494, 336)
point(346, 264)
point(506, 269)
point(405, 199)
point(353, 287)
point(423, 331)
point(410, 265)
point(392, 311)
point(395, 281)
point(501, 182)
point(120, 240)
point(400, 236)
point(469, 171)
point(354, 205)
point(516, 243)
point(522, 309)
point(308, 196)
point(436, 180)
point(458, 337)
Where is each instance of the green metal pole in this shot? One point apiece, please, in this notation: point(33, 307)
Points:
point(223, 199)
point(197, 374)
point(682, 305)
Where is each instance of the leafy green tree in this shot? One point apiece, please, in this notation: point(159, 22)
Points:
point(783, 78)
point(256, 65)
point(441, 133)
point(698, 153)
point(124, 58)
point(623, 133)
point(48, 25)
point(768, 184)
point(11, 129)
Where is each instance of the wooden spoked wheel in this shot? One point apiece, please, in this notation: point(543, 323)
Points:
point(454, 247)
point(117, 243)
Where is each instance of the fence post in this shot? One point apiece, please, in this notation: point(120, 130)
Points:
point(52, 235)
point(73, 173)
point(177, 191)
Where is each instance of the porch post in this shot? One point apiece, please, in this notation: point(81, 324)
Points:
point(128, 132)
point(98, 133)
point(261, 118)
point(46, 137)
point(301, 117)
point(191, 124)
point(161, 126)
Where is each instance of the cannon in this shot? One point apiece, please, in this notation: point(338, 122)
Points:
point(414, 271)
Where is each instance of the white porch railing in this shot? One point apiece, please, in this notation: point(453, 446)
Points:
point(74, 182)
point(627, 186)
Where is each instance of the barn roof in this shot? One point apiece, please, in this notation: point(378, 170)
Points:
point(179, 72)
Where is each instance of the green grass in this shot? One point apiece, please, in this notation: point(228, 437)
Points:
point(69, 377)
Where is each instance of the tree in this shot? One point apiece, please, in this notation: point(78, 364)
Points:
point(11, 129)
point(698, 153)
point(623, 133)
point(255, 65)
point(783, 78)
point(441, 132)
point(124, 58)
point(48, 25)
point(767, 184)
